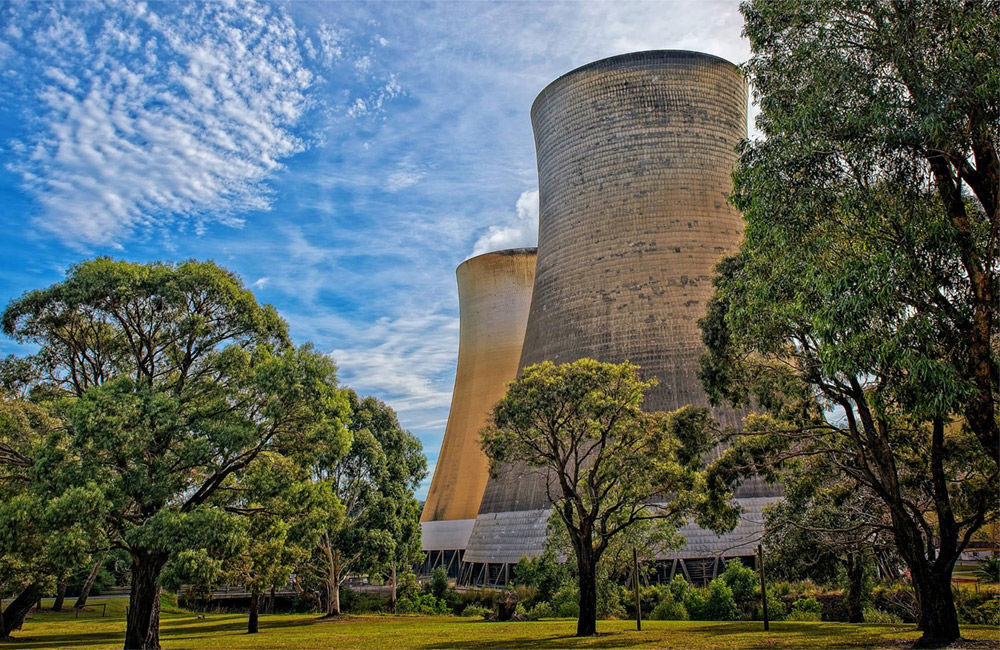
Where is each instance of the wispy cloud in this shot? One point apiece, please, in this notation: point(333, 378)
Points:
point(174, 117)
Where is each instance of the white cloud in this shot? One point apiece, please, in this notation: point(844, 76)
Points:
point(150, 120)
point(260, 283)
point(517, 232)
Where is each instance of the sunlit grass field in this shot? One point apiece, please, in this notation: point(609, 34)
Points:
point(181, 629)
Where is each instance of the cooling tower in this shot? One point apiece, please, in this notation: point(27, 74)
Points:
point(634, 160)
point(494, 292)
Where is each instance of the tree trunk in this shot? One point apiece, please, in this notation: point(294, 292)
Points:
point(333, 586)
point(254, 609)
point(855, 584)
point(393, 587)
point(270, 602)
point(57, 605)
point(142, 630)
point(17, 610)
point(938, 617)
point(88, 584)
point(586, 624)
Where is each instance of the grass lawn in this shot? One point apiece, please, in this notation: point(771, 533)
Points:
point(179, 629)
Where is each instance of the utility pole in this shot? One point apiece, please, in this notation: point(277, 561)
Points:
point(763, 589)
point(638, 604)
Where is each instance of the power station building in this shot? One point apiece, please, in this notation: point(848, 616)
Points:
point(494, 293)
point(634, 159)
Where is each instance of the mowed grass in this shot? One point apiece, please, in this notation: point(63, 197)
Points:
point(179, 629)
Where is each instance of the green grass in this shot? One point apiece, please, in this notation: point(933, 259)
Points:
point(181, 629)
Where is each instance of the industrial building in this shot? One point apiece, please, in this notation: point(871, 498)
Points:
point(634, 159)
point(494, 293)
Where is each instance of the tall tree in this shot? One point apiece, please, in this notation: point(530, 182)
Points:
point(609, 464)
point(178, 380)
point(47, 528)
point(869, 272)
point(367, 495)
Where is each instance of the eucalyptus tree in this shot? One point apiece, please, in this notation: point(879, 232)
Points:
point(177, 380)
point(869, 273)
point(609, 465)
point(364, 515)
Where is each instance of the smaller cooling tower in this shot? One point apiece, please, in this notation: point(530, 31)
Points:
point(494, 293)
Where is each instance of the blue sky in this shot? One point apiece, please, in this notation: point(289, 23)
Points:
point(341, 157)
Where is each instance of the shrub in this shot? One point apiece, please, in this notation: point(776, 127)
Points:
point(521, 610)
point(679, 588)
point(543, 573)
point(807, 605)
point(989, 569)
point(541, 610)
point(609, 599)
point(742, 580)
point(720, 604)
point(569, 610)
point(803, 616)
point(360, 602)
point(567, 595)
point(775, 607)
point(696, 603)
point(439, 582)
point(406, 586)
point(476, 610)
point(896, 598)
point(669, 610)
point(988, 613)
point(873, 615)
point(421, 604)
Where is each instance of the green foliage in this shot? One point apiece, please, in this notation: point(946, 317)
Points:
point(476, 610)
point(720, 604)
point(805, 609)
point(542, 572)
point(439, 582)
point(989, 569)
point(426, 604)
point(541, 610)
point(742, 580)
point(631, 466)
point(568, 610)
point(679, 587)
point(776, 609)
point(873, 615)
point(868, 281)
point(669, 609)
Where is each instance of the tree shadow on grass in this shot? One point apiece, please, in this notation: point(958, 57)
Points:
point(170, 629)
point(602, 640)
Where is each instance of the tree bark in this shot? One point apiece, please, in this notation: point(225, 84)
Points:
point(333, 585)
point(855, 584)
point(254, 610)
point(142, 630)
point(57, 605)
point(938, 617)
point(586, 624)
point(393, 586)
point(88, 584)
point(13, 617)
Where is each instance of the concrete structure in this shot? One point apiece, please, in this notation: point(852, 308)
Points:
point(494, 292)
point(634, 160)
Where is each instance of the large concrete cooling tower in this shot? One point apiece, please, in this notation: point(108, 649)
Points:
point(494, 292)
point(634, 160)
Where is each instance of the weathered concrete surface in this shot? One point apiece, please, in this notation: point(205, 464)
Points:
point(494, 292)
point(634, 160)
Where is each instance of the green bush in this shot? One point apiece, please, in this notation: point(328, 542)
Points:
point(807, 605)
point(569, 610)
point(873, 615)
point(803, 616)
point(988, 613)
point(669, 610)
point(541, 610)
point(566, 595)
point(989, 569)
point(360, 602)
point(421, 604)
point(696, 604)
point(720, 604)
point(679, 588)
point(406, 586)
point(476, 610)
point(742, 580)
point(609, 599)
point(439, 582)
point(775, 608)
point(543, 573)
